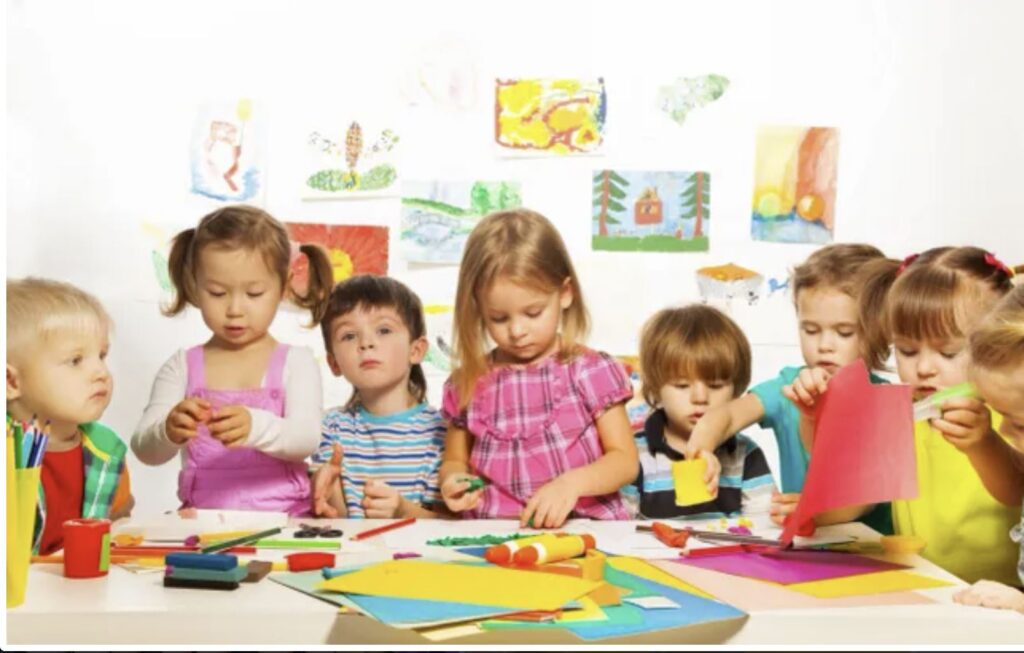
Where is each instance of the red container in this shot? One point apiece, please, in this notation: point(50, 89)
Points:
point(86, 548)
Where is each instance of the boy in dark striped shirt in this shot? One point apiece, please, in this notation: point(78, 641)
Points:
point(693, 359)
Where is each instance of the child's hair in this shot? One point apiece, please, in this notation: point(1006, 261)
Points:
point(695, 341)
point(998, 343)
point(366, 291)
point(524, 246)
point(853, 269)
point(39, 308)
point(250, 228)
point(942, 292)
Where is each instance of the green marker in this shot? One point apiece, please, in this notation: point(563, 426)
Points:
point(931, 407)
point(475, 484)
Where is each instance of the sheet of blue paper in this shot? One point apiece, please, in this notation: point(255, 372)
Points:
point(692, 610)
point(388, 609)
point(477, 551)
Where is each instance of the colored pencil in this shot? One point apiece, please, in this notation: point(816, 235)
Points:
point(239, 541)
point(383, 529)
point(297, 544)
point(164, 550)
point(714, 550)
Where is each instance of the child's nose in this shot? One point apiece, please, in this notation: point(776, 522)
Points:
point(698, 393)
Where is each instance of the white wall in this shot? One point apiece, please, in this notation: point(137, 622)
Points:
point(101, 98)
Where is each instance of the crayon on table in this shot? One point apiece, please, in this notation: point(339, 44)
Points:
point(561, 548)
point(383, 529)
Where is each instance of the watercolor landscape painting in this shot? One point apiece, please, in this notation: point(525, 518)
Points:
point(795, 184)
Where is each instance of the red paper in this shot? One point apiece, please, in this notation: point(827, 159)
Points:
point(863, 448)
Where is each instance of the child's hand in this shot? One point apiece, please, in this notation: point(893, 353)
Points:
point(181, 424)
point(551, 504)
point(990, 594)
point(965, 422)
point(782, 506)
point(380, 500)
point(810, 384)
point(714, 469)
point(231, 425)
point(327, 483)
point(455, 495)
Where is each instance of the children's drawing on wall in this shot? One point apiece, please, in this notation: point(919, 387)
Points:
point(354, 161)
point(795, 184)
point(352, 250)
point(226, 152)
point(636, 408)
point(158, 241)
point(720, 284)
point(550, 116)
point(778, 286)
point(439, 334)
point(685, 94)
point(642, 211)
point(438, 216)
point(443, 74)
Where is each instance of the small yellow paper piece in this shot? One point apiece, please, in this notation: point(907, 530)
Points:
point(875, 583)
point(446, 581)
point(688, 478)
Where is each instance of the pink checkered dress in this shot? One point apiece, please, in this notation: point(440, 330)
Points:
point(531, 424)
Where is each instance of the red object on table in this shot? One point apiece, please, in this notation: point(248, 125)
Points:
point(86, 548)
point(383, 529)
point(309, 560)
point(670, 536)
point(715, 550)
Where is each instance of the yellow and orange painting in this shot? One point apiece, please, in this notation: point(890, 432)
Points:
point(795, 184)
point(554, 116)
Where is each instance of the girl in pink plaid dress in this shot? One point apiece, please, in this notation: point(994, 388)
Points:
point(540, 418)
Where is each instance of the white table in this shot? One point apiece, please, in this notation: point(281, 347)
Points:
point(126, 609)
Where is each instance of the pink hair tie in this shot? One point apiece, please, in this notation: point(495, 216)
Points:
point(991, 259)
point(906, 262)
point(296, 251)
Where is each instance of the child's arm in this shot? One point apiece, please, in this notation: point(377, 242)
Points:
point(454, 473)
point(718, 425)
point(552, 503)
point(150, 442)
point(966, 423)
point(296, 435)
point(758, 486)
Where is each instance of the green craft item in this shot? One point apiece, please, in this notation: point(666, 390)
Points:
point(476, 484)
point(476, 540)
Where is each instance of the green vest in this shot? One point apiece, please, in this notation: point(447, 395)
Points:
point(103, 457)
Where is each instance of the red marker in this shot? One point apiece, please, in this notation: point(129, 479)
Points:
point(382, 529)
point(714, 550)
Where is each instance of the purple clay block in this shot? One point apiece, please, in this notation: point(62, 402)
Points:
point(400, 556)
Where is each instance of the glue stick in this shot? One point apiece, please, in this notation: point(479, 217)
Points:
point(561, 548)
point(501, 554)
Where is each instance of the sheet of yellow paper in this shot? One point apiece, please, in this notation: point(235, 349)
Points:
point(589, 611)
point(876, 583)
point(445, 581)
point(647, 571)
point(688, 478)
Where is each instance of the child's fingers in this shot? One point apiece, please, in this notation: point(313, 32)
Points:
point(336, 455)
point(962, 417)
point(806, 398)
point(950, 429)
point(528, 512)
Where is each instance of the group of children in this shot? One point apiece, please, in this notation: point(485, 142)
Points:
point(532, 424)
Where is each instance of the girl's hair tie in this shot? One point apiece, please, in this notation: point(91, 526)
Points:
point(991, 259)
point(907, 261)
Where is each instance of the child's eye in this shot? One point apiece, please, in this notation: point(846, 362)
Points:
point(498, 320)
point(384, 331)
point(716, 385)
point(103, 355)
point(255, 295)
point(216, 293)
point(909, 353)
point(76, 361)
point(345, 337)
point(533, 313)
point(847, 334)
point(810, 330)
point(950, 355)
point(681, 386)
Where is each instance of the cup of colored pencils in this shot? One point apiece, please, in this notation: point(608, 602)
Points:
point(26, 444)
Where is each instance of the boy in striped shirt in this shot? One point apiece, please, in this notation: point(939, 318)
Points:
point(380, 452)
point(691, 360)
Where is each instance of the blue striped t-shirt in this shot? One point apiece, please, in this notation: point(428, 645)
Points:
point(402, 449)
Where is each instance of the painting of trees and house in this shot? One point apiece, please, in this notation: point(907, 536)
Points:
point(651, 211)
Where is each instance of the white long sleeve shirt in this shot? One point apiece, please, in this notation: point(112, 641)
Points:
point(292, 437)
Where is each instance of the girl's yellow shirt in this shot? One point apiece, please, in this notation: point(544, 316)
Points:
point(966, 530)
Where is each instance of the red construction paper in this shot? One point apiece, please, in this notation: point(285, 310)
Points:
point(863, 449)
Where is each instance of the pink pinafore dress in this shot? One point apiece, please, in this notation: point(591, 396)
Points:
point(242, 478)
